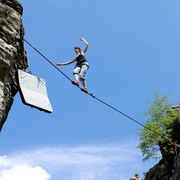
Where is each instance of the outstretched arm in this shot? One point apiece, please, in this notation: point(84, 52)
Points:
point(87, 44)
point(66, 63)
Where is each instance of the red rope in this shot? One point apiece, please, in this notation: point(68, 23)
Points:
point(177, 154)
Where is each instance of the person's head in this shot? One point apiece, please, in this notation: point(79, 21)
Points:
point(136, 175)
point(77, 50)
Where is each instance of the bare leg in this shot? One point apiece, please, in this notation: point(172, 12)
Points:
point(76, 82)
point(76, 77)
point(84, 84)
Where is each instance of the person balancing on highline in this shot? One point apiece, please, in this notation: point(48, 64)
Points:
point(81, 66)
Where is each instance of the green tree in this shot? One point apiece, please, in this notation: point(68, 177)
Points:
point(154, 144)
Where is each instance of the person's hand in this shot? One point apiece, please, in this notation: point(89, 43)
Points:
point(82, 39)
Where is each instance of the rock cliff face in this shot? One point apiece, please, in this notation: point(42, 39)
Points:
point(168, 167)
point(12, 53)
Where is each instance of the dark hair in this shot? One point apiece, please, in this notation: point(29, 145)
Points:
point(77, 48)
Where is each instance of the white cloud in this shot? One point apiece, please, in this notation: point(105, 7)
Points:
point(24, 172)
point(105, 162)
point(4, 162)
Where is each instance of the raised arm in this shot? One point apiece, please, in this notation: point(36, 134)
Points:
point(87, 44)
point(66, 63)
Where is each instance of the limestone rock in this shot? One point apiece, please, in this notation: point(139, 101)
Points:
point(12, 53)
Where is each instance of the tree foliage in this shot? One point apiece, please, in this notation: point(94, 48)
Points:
point(157, 120)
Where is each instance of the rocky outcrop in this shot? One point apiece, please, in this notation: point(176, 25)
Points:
point(12, 53)
point(161, 171)
point(168, 167)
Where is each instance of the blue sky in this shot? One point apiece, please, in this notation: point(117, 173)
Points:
point(133, 53)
